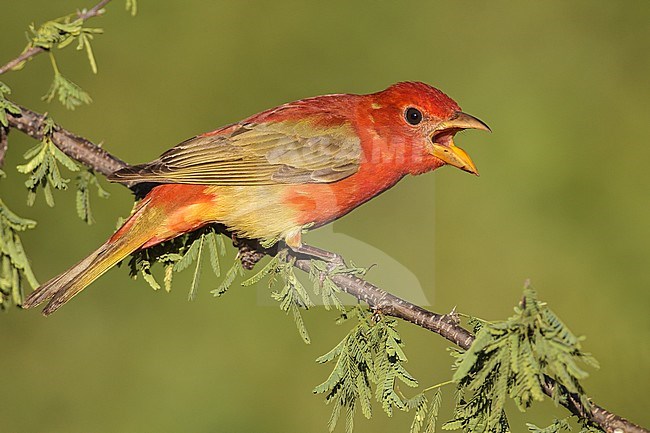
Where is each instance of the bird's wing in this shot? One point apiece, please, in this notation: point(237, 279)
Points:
point(256, 154)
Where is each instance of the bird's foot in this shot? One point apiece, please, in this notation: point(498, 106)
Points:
point(334, 263)
point(249, 253)
point(333, 260)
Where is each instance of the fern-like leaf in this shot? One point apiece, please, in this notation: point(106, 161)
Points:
point(6, 106)
point(197, 270)
point(86, 179)
point(14, 265)
point(510, 358)
point(557, 426)
point(68, 93)
point(235, 271)
point(369, 355)
point(132, 7)
point(43, 168)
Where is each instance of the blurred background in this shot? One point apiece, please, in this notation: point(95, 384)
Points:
point(562, 200)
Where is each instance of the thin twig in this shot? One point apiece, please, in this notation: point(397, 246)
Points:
point(84, 151)
point(444, 325)
point(4, 137)
point(96, 10)
point(447, 327)
point(25, 55)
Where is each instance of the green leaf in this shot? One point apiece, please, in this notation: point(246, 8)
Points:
point(324, 286)
point(51, 33)
point(132, 7)
point(452, 425)
point(197, 271)
point(510, 358)
point(222, 245)
point(15, 269)
point(43, 167)
point(84, 180)
point(388, 364)
point(64, 159)
point(6, 106)
point(369, 355)
point(300, 324)
point(211, 238)
point(59, 32)
point(272, 267)
point(293, 295)
point(587, 428)
point(432, 413)
point(84, 43)
point(557, 426)
point(190, 255)
point(178, 254)
point(233, 272)
point(169, 274)
point(470, 357)
point(419, 404)
point(145, 270)
point(332, 354)
point(69, 94)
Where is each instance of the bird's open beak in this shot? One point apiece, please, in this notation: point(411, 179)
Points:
point(443, 141)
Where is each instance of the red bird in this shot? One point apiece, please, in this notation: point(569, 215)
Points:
point(280, 172)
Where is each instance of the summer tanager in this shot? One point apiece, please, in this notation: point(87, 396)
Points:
point(280, 172)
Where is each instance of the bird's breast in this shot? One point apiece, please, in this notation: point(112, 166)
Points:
point(320, 203)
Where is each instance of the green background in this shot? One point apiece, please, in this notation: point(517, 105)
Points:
point(562, 199)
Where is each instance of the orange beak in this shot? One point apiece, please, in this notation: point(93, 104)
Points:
point(443, 141)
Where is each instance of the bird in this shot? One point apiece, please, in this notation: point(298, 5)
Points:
point(280, 172)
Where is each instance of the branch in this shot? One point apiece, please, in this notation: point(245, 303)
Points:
point(23, 57)
point(448, 327)
point(84, 151)
point(444, 325)
point(4, 137)
point(96, 10)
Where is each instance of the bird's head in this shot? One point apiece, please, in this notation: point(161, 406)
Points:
point(423, 120)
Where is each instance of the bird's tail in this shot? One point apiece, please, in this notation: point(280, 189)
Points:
point(133, 234)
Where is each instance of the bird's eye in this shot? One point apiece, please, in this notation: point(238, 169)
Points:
point(413, 116)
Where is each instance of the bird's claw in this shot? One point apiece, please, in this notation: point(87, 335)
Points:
point(336, 261)
point(333, 262)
